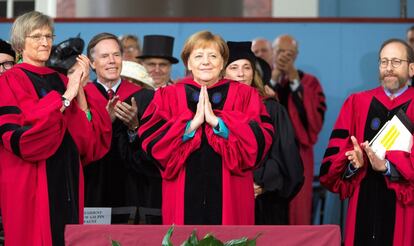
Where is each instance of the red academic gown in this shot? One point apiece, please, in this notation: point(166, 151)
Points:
point(42, 150)
point(306, 107)
point(381, 208)
point(207, 179)
point(112, 181)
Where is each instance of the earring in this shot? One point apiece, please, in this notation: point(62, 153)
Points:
point(19, 58)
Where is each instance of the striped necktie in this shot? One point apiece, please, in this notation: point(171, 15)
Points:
point(111, 94)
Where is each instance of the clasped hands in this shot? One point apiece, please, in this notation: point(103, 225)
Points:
point(204, 112)
point(284, 65)
point(356, 156)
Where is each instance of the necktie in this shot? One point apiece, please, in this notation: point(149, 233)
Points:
point(111, 94)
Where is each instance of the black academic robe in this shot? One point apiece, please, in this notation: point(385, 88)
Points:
point(281, 174)
point(113, 181)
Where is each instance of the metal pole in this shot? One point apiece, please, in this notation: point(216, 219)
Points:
point(403, 9)
point(10, 8)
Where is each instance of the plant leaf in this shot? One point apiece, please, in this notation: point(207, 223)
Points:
point(192, 240)
point(253, 241)
point(244, 241)
point(166, 241)
point(115, 243)
point(210, 240)
point(237, 242)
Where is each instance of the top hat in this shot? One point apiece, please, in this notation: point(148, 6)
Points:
point(63, 55)
point(158, 46)
point(241, 50)
point(6, 48)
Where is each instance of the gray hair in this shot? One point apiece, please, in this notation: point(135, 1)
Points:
point(25, 24)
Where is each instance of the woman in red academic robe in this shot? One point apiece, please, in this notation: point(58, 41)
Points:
point(206, 135)
point(45, 138)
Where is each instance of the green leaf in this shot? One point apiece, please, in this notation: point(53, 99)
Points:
point(244, 241)
point(192, 240)
point(166, 241)
point(115, 243)
point(237, 242)
point(253, 241)
point(210, 240)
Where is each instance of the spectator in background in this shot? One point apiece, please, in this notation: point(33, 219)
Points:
point(303, 97)
point(207, 134)
point(136, 73)
point(410, 36)
point(114, 180)
point(131, 47)
point(380, 188)
point(280, 176)
point(7, 56)
point(157, 58)
point(47, 137)
point(262, 48)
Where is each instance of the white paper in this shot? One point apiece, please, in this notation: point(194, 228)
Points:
point(392, 136)
point(96, 215)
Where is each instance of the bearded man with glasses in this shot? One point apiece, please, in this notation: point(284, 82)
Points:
point(7, 56)
point(380, 187)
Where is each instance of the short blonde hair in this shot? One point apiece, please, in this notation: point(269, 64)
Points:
point(25, 24)
point(203, 39)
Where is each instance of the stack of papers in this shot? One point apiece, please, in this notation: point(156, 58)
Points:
point(396, 134)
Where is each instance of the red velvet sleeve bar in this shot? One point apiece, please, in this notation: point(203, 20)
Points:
point(32, 135)
point(162, 130)
point(94, 137)
point(250, 130)
point(313, 100)
point(335, 162)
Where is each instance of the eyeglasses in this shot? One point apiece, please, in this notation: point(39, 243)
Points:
point(129, 49)
point(395, 62)
point(7, 64)
point(39, 37)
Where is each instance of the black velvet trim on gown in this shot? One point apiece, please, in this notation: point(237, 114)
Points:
point(203, 181)
point(62, 168)
point(375, 218)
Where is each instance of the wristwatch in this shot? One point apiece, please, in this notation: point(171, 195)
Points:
point(66, 102)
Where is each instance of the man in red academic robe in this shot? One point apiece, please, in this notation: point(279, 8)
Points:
point(380, 190)
point(116, 180)
point(303, 97)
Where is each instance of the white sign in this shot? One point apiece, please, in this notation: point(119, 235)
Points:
point(97, 216)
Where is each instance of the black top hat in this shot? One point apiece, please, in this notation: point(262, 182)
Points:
point(241, 50)
point(158, 46)
point(63, 55)
point(6, 48)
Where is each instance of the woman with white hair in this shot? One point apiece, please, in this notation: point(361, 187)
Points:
point(48, 131)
